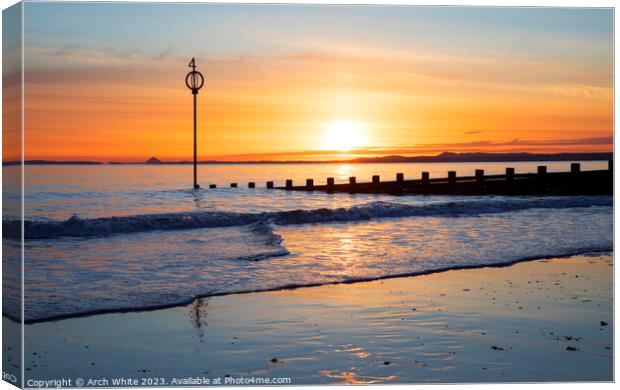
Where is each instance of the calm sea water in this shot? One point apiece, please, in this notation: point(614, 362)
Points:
point(124, 237)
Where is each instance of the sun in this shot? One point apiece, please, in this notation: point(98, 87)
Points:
point(343, 136)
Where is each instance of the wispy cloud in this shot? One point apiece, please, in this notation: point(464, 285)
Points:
point(592, 144)
point(408, 66)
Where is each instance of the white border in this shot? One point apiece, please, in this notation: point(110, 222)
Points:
point(504, 3)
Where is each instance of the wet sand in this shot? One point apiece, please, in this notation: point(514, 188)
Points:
point(545, 320)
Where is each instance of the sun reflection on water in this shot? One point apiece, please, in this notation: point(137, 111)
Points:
point(352, 378)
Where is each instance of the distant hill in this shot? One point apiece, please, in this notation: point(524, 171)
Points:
point(153, 160)
point(489, 157)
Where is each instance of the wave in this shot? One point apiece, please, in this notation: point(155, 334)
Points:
point(294, 286)
point(150, 270)
point(264, 230)
point(82, 227)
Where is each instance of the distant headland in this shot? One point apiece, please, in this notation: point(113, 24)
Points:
point(445, 157)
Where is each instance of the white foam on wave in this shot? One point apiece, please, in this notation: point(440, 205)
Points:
point(74, 276)
point(79, 227)
point(146, 268)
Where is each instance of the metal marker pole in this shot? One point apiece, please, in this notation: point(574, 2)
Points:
point(194, 81)
point(195, 166)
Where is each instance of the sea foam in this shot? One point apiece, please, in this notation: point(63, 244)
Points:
point(84, 227)
point(76, 276)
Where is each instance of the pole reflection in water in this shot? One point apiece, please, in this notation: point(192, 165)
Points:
point(198, 315)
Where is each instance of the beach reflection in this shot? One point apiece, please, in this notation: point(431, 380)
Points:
point(344, 171)
point(487, 324)
point(198, 315)
point(352, 378)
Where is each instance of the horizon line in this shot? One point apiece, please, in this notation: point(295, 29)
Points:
point(469, 157)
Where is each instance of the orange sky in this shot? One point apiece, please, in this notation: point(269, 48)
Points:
point(85, 101)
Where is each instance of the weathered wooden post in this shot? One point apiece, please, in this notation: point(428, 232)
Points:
point(330, 183)
point(270, 184)
point(575, 170)
point(352, 183)
point(212, 186)
point(541, 170)
point(479, 179)
point(400, 178)
point(452, 180)
point(426, 176)
point(310, 183)
point(541, 175)
point(233, 185)
point(251, 185)
point(289, 184)
point(510, 175)
point(376, 183)
point(510, 179)
point(479, 176)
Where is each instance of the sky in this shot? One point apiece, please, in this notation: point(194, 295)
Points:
point(105, 81)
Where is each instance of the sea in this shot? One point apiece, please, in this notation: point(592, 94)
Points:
point(117, 238)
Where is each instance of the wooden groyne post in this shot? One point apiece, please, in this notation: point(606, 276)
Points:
point(574, 182)
point(426, 180)
point(330, 184)
point(510, 177)
point(452, 180)
point(480, 176)
point(541, 174)
point(376, 183)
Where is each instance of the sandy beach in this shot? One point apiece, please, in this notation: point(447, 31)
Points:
point(544, 320)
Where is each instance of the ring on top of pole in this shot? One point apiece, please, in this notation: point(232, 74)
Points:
point(194, 79)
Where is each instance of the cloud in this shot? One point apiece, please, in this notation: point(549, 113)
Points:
point(515, 145)
point(411, 66)
point(487, 144)
point(582, 141)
